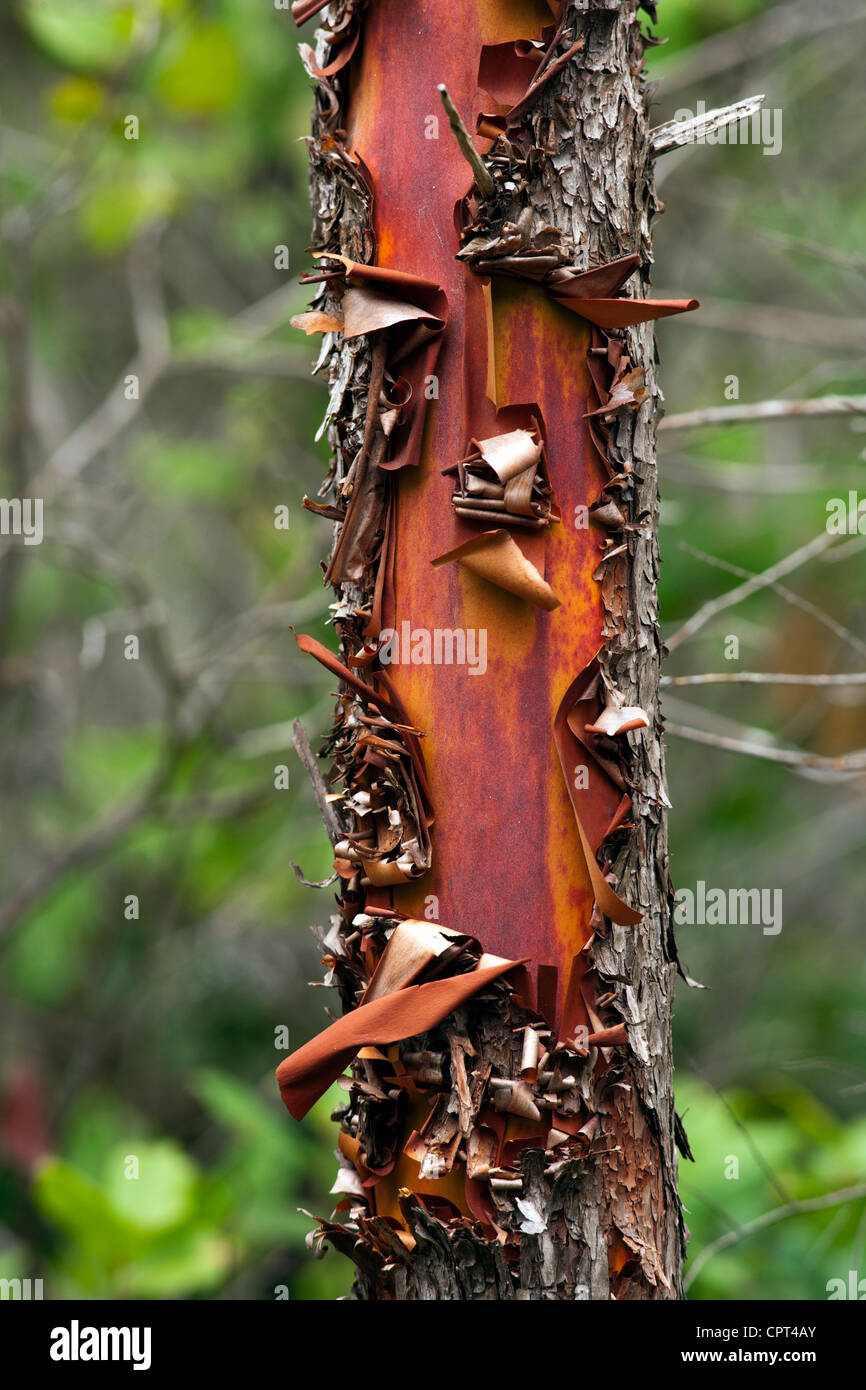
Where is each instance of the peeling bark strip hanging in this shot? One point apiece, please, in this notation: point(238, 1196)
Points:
point(490, 413)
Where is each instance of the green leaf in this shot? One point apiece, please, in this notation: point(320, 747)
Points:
point(92, 34)
point(84, 1213)
point(151, 1185)
point(194, 1263)
point(47, 956)
point(205, 75)
point(116, 210)
point(237, 1107)
point(76, 100)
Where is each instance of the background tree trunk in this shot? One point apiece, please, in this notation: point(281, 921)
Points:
point(604, 1220)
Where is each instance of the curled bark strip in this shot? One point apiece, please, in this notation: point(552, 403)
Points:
point(387, 793)
point(406, 1011)
point(413, 312)
point(315, 322)
point(343, 37)
point(625, 313)
point(505, 478)
point(302, 10)
point(496, 557)
point(602, 800)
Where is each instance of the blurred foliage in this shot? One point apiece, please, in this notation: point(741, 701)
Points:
point(757, 1152)
point(153, 164)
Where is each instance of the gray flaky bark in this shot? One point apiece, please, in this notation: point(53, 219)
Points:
point(598, 185)
point(611, 1220)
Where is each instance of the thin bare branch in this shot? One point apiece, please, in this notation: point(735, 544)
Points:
point(284, 363)
point(155, 357)
point(770, 479)
point(844, 766)
point(850, 547)
point(771, 1218)
point(848, 260)
point(765, 410)
point(90, 847)
point(795, 600)
point(779, 322)
point(16, 432)
point(765, 678)
point(149, 362)
point(95, 843)
point(718, 605)
point(675, 134)
point(481, 173)
point(769, 1173)
point(267, 314)
point(320, 791)
point(777, 27)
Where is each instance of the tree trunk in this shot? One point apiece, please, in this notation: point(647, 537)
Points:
point(521, 1143)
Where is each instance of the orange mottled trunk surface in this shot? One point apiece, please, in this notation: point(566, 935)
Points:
point(507, 860)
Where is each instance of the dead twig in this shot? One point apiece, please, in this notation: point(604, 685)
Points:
point(302, 747)
point(771, 1218)
point(845, 765)
point(765, 678)
point(765, 410)
point(795, 600)
point(674, 135)
point(714, 606)
point(482, 175)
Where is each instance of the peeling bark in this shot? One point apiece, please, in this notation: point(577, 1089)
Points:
point(602, 192)
point(583, 1205)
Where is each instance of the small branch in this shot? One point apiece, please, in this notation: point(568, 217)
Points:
point(770, 479)
point(90, 847)
point(148, 611)
point(844, 552)
point(846, 765)
point(106, 836)
point(759, 1158)
point(216, 807)
point(265, 315)
point(765, 410)
point(674, 134)
point(765, 678)
point(274, 364)
point(302, 747)
point(743, 591)
point(154, 358)
point(483, 177)
point(243, 627)
point(148, 364)
point(805, 605)
point(848, 260)
point(771, 1218)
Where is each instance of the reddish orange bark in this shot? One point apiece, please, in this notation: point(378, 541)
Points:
point(514, 837)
